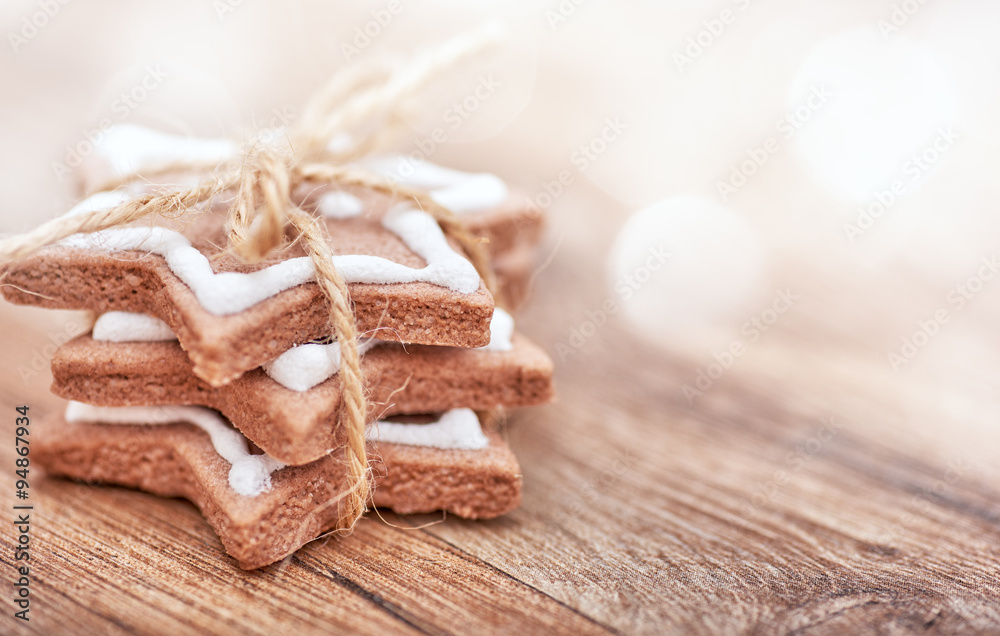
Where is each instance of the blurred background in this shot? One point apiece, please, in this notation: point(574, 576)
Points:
point(792, 194)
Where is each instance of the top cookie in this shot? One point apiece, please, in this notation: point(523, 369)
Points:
point(408, 282)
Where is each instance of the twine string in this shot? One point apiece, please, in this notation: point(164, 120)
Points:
point(360, 107)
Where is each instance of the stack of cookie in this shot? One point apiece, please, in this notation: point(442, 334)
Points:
point(214, 380)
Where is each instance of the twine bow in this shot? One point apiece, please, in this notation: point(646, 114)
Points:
point(360, 109)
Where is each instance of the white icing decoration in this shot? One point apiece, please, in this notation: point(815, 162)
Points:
point(99, 201)
point(457, 429)
point(228, 293)
point(127, 149)
point(501, 331)
point(300, 368)
point(460, 192)
point(123, 326)
point(339, 205)
point(249, 474)
point(303, 367)
point(475, 193)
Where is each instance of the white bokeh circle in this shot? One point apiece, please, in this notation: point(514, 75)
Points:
point(889, 99)
point(711, 279)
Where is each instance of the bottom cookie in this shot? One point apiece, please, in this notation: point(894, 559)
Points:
point(297, 503)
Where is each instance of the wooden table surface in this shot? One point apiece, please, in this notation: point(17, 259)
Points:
point(809, 490)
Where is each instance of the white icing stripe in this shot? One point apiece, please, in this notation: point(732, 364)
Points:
point(99, 201)
point(249, 474)
point(303, 367)
point(501, 331)
point(339, 205)
point(123, 326)
point(127, 148)
point(457, 429)
point(476, 193)
point(300, 368)
point(228, 293)
point(460, 192)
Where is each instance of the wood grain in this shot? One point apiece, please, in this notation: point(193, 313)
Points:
point(810, 490)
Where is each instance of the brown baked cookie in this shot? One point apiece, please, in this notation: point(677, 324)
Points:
point(299, 503)
point(231, 317)
point(300, 426)
point(507, 219)
point(515, 271)
point(511, 231)
point(507, 228)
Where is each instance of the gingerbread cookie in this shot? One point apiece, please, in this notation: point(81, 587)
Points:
point(237, 273)
point(482, 201)
point(290, 407)
point(515, 272)
point(407, 281)
point(262, 510)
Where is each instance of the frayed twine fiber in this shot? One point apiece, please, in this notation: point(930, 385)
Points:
point(358, 108)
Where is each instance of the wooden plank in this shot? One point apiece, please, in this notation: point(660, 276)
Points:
point(116, 561)
point(645, 512)
point(693, 519)
point(749, 510)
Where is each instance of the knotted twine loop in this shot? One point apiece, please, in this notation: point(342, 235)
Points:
point(359, 109)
